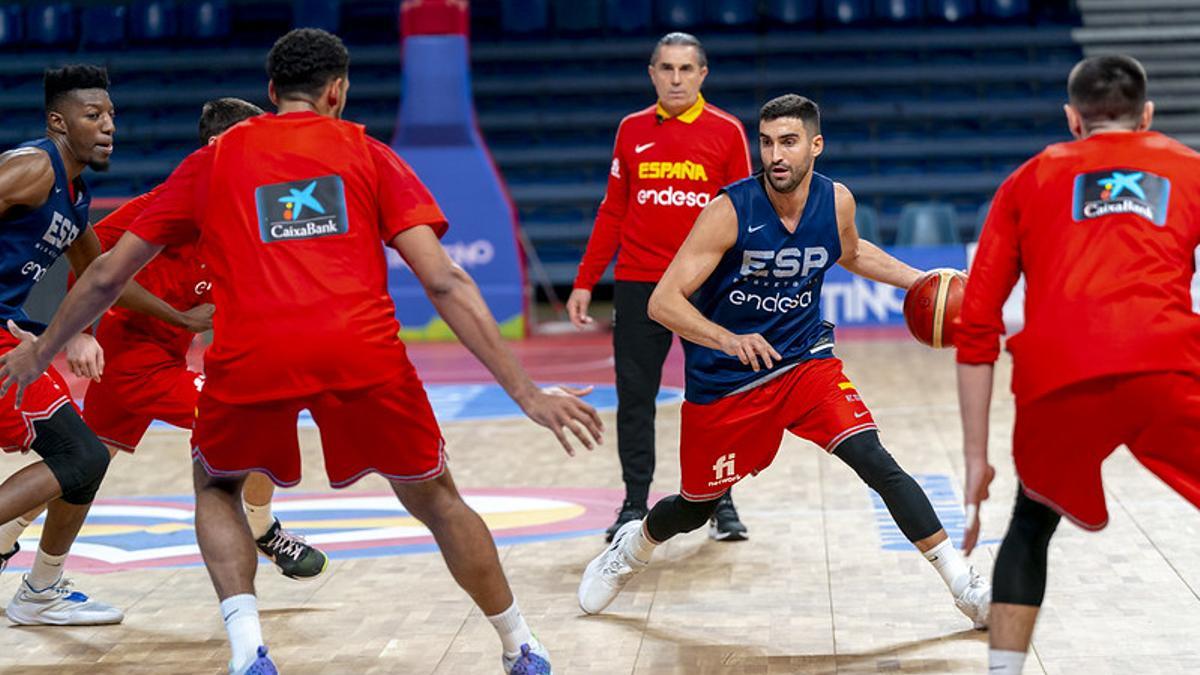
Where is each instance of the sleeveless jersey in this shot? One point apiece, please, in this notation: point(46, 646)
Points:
point(31, 240)
point(769, 283)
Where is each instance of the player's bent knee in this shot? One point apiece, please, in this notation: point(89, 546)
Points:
point(1021, 564)
point(675, 515)
point(866, 455)
point(73, 454)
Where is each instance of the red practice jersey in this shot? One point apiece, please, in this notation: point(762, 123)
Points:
point(290, 211)
point(177, 275)
point(1104, 230)
point(664, 172)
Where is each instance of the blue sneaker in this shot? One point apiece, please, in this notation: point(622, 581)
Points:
point(263, 665)
point(533, 660)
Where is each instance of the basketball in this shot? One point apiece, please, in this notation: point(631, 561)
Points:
point(932, 304)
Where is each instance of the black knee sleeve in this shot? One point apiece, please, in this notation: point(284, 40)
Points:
point(905, 500)
point(676, 515)
point(72, 453)
point(1019, 577)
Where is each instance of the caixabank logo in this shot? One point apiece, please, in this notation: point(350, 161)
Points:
point(1122, 191)
point(302, 209)
point(124, 534)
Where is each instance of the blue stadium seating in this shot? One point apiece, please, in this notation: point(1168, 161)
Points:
point(981, 217)
point(791, 11)
point(578, 16)
point(845, 12)
point(927, 224)
point(866, 219)
point(628, 16)
point(525, 16)
point(951, 11)
point(103, 26)
point(324, 14)
point(50, 24)
point(680, 14)
point(153, 20)
point(207, 20)
point(12, 32)
point(732, 13)
point(1006, 9)
point(898, 11)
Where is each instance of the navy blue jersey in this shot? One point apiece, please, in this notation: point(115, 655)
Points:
point(769, 283)
point(32, 239)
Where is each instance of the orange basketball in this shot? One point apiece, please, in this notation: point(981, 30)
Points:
point(932, 304)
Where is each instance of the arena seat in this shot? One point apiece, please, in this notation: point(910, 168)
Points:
point(845, 12)
point(578, 16)
point(732, 13)
point(12, 31)
point(1006, 9)
point(791, 12)
point(50, 24)
point(323, 14)
point(679, 14)
point(951, 11)
point(207, 20)
point(153, 20)
point(628, 16)
point(866, 219)
point(927, 224)
point(523, 17)
point(981, 217)
point(103, 25)
point(898, 11)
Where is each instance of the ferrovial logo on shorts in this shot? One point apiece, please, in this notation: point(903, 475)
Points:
point(672, 197)
point(723, 470)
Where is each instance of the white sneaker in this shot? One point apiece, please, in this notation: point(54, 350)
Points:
point(608, 572)
point(976, 600)
point(59, 606)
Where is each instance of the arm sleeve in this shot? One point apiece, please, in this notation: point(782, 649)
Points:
point(173, 215)
point(994, 272)
point(403, 200)
point(606, 232)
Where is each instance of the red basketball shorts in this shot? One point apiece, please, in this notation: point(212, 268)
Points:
point(738, 435)
point(387, 429)
point(1061, 439)
point(42, 399)
point(120, 409)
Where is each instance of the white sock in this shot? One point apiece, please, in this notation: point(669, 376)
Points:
point(47, 570)
point(1004, 662)
point(10, 532)
point(949, 563)
point(639, 546)
point(513, 630)
point(259, 517)
point(245, 633)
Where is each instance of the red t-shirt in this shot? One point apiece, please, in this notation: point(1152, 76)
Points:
point(1104, 230)
point(290, 211)
point(664, 172)
point(176, 275)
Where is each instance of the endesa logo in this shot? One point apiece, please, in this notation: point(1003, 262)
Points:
point(672, 197)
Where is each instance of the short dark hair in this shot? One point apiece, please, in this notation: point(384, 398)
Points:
point(1108, 89)
point(59, 82)
point(680, 40)
point(219, 114)
point(793, 105)
point(305, 60)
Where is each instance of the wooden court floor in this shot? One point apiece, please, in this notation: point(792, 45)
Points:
point(815, 590)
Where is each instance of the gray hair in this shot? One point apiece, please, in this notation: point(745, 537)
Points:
point(680, 40)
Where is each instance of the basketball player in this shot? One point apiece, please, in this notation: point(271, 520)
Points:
point(43, 211)
point(668, 160)
point(290, 209)
point(146, 372)
point(1104, 229)
point(760, 359)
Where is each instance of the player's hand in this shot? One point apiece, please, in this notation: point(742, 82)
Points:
point(560, 409)
point(21, 366)
point(752, 350)
point(577, 307)
point(199, 318)
point(975, 492)
point(85, 357)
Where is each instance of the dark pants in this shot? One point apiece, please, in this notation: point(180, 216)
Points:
point(640, 347)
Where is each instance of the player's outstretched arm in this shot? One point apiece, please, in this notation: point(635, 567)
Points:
point(459, 302)
point(26, 178)
point(714, 233)
point(974, 399)
point(87, 248)
point(861, 256)
point(95, 292)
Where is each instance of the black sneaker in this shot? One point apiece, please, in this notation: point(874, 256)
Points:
point(725, 524)
point(294, 557)
point(5, 557)
point(628, 511)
